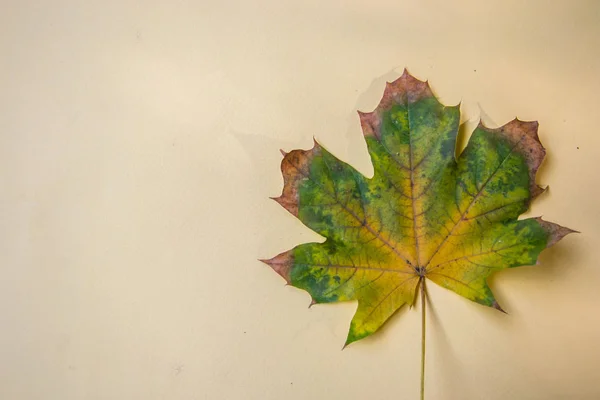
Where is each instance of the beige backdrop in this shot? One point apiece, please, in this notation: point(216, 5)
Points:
point(139, 143)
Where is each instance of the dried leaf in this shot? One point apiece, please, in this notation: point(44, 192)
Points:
point(423, 215)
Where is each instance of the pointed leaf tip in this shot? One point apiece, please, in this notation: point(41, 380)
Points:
point(347, 343)
point(278, 200)
point(555, 231)
point(497, 307)
point(281, 264)
point(405, 90)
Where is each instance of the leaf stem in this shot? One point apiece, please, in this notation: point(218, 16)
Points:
point(423, 294)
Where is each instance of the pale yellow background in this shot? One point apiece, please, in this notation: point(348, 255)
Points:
point(139, 142)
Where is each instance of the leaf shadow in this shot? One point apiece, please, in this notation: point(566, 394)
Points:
point(461, 138)
point(454, 373)
point(263, 153)
point(265, 178)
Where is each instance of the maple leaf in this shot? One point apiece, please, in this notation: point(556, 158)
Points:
point(424, 214)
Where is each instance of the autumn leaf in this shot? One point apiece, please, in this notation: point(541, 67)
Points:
point(425, 214)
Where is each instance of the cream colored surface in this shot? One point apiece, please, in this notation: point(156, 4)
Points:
point(139, 144)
